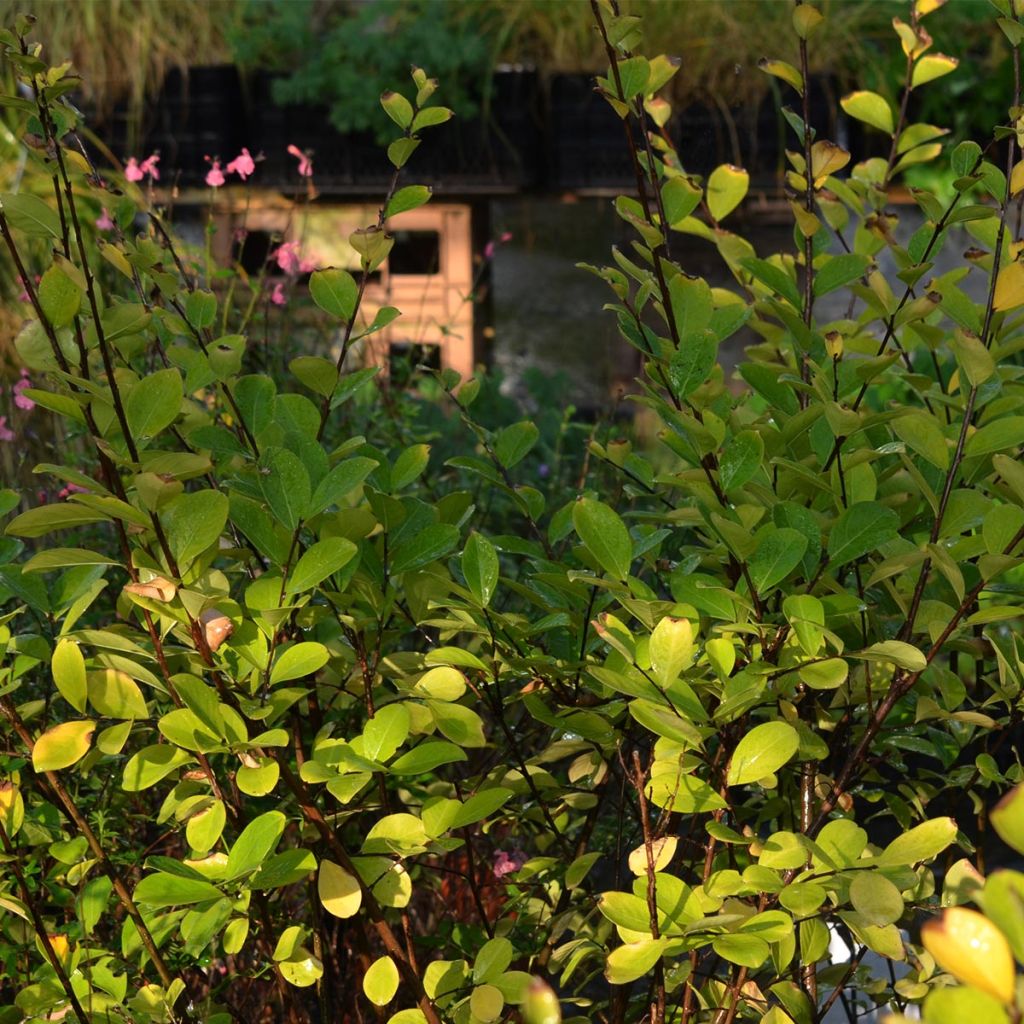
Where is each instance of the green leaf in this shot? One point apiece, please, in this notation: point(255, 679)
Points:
point(63, 558)
point(115, 694)
point(634, 73)
point(727, 185)
point(861, 529)
point(37, 522)
point(480, 567)
point(29, 214)
point(385, 733)
point(153, 404)
point(921, 843)
point(807, 617)
point(341, 481)
point(921, 433)
point(409, 466)
point(745, 950)
point(335, 292)
point(432, 542)
point(428, 756)
point(409, 198)
point(166, 890)
point(68, 668)
point(692, 304)
point(255, 844)
point(298, 661)
point(514, 442)
point(284, 868)
point(973, 358)
point(151, 764)
point(897, 652)
point(633, 960)
point(605, 536)
point(692, 362)
point(875, 898)
point(62, 746)
point(398, 108)
point(494, 959)
point(321, 560)
point(679, 198)
point(959, 1004)
point(839, 271)
point(195, 522)
point(125, 319)
point(59, 296)
point(870, 108)
point(284, 482)
point(671, 649)
point(380, 983)
point(824, 675)
point(761, 752)
point(778, 553)
point(997, 436)
point(775, 279)
point(741, 459)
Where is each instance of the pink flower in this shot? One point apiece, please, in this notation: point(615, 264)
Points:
point(69, 489)
point(20, 400)
point(305, 163)
point(506, 236)
point(133, 172)
point(307, 266)
point(103, 221)
point(506, 863)
point(214, 176)
point(287, 257)
point(277, 296)
point(148, 166)
point(6, 434)
point(243, 165)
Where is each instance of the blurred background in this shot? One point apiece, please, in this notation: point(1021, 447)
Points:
point(523, 176)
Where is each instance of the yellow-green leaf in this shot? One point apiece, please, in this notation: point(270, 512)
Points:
point(380, 983)
point(727, 185)
point(932, 66)
point(784, 70)
point(870, 108)
point(340, 892)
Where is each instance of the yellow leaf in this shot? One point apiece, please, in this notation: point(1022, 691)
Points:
point(1017, 178)
point(1010, 287)
point(827, 158)
point(662, 852)
point(61, 746)
point(971, 948)
point(340, 892)
point(806, 19)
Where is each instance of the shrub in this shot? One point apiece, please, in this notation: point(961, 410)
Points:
point(340, 701)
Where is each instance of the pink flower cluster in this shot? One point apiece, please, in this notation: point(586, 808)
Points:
point(506, 236)
point(506, 862)
point(21, 401)
point(286, 256)
point(135, 171)
point(244, 165)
